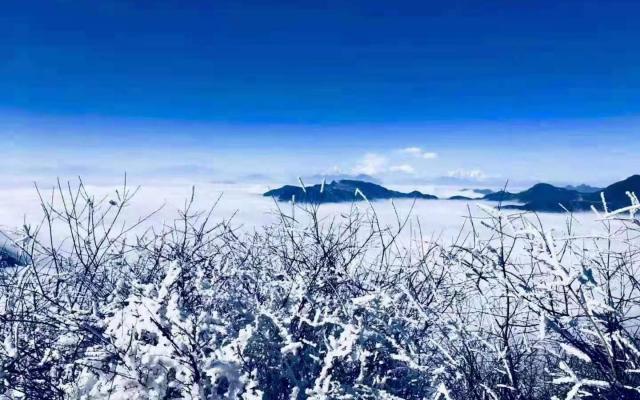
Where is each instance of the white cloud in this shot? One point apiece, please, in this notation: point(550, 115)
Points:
point(404, 168)
point(376, 164)
point(418, 152)
point(414, 151)
point(371, 164)
point(473, 174)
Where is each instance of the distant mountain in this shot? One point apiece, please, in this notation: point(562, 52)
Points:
point(501, 196)
point(341, 191)
point(583, 188)
point(483, 191)
point(545, 197)
point(544, 192)
point(541, 197)
point(616, 194)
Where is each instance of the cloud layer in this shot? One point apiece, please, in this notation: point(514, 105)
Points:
point(419, 153)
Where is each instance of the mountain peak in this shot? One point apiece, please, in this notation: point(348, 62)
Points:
point(544, 187)
point(633, 180)
point(583, 188)
point(341, 191)
point(616, 193)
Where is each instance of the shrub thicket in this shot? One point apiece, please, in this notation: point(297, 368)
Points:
point(333, 308)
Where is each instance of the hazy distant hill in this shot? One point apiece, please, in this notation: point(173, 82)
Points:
point(583, 188)
point(341, 191)
point(480, 191)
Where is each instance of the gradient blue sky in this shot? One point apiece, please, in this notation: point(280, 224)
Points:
point(526, 90)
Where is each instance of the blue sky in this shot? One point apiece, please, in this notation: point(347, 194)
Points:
point(525, 90)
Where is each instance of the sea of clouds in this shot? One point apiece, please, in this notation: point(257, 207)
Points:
point(246, 209)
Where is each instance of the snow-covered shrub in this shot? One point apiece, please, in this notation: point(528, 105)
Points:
point(334, 308)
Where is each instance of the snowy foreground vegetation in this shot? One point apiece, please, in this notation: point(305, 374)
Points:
point(324, 308)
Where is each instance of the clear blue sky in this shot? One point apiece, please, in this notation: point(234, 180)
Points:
point(458, 78)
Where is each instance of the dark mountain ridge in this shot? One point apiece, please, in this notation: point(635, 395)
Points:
point(545, 197)
point(341, 191)
point(583, 188)
point(540, 197)
point(616, 195)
